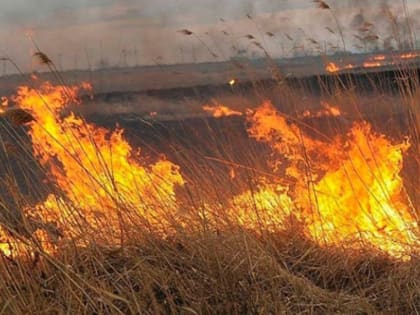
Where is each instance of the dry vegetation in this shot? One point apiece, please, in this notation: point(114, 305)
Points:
point(299, 212)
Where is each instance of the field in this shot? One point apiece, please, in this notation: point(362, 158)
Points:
point(263, 195)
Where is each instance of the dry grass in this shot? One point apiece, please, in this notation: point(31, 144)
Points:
point(210, 273)
point(207, 267)
point(204, 266)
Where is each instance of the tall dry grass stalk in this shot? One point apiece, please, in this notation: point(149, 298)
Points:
point(324, 6)
point(209, 263)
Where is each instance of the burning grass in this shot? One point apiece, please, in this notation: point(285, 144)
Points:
point(208, 273)
point(312, 223)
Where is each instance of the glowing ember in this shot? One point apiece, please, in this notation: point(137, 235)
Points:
point(218, 111)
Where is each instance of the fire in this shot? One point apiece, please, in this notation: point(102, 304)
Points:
point(363, 197)
point(375, 61)
point(232, 82)
point(5, 245)
point(379, 58)
point(370, 64)
point(4, 101)
point(331, 67)
point(409, 55)
point(331, 110)
point(327, 111)
point(271, 206)
point(96, 171)
point(221, 111)
point(346, 191)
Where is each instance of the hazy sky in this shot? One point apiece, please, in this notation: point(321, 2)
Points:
point(77, 32)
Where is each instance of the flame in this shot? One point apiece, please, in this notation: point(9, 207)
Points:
point(232, 173)
point(331, 110)
point(369, 64)
point(5, 244)
point(364, 199)
point(331, 67)
point(232, 82)
point(327, 111)
point(409, 55)
point(96, 171)
point(269, 204)
point(379, 58)
point(4, 101)
point(375, 61)
point(346, 191)
point(221, 111)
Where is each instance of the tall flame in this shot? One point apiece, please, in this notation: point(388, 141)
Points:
point(97, 170)
point(347, 191)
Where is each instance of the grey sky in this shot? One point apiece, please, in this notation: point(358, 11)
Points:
point(73, 31)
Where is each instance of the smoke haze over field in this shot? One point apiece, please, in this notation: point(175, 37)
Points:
point(82, 33)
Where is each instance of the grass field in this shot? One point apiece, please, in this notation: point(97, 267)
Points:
point(280, 196)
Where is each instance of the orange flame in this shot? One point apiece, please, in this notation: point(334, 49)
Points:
point(346, 191)
point(97, 170)
point(331, 67)
point(371, 64)
point(331, 110)
point(221, 111)
point(409, 55)
point(4, 101)
point(375, 61)
point(379, 58)
point(327, 111)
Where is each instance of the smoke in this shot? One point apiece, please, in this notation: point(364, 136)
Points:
point(79, 33)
